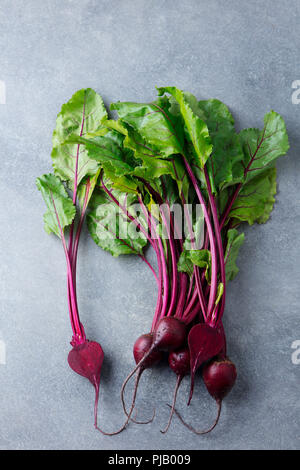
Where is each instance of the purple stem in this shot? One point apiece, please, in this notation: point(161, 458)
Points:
point(174, 266)
point(80, 337)
point(214, 267)
point(190, 304)
point(77, 237)
point(165, 279)
point(229, 205)
point(219, 244)
point(195, 269)
point(150, 266)
point(190, 288)
point(183, 281)
point(75, 185)
point(156, 249)
point(192, 314)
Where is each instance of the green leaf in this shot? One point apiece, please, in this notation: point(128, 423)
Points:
point(201, 258)
point(262, 148)
point(151, 165)
point(126, 184)
point(86, 188)
point(256, 198)
point(153, 168)
point(234, 242)
point(61, 210)
point(154, 124)
point(107, 151)
point(190, 258)
point(184, 264)
point(196, 128)
point(110, 228)
point(83, 113)
point(195, 240)
point(225, 165)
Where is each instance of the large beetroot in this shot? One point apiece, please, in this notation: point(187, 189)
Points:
point(86, 359)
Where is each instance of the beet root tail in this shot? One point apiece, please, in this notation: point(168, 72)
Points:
point(191, 428)
point(124, 426)
point(137, 380)
point(97, 387)
point(178, 382)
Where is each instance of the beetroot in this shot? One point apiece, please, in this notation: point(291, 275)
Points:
point(141, 347)
point(146, 355)
point(169, 334)
point(219, 376)
point(174, 151)
point(86, 359)
point(179, 362)
point(205, 342)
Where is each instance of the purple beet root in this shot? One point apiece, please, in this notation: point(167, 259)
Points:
point(179, 362)
point(145, 356)
point(205, 342)
point(219, 376)
point(169, 334)
point(86, 359)
point(141, 347)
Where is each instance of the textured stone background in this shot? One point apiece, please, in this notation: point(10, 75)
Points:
point(244, 53)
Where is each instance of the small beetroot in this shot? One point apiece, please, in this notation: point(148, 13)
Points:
point(219, 376)
point(179, 362)
point(140, 349)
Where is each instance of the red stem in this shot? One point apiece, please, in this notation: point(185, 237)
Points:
point(76, 184)
point(80, 337)
point(196, 269)
point(174, 265)
point(214, 266)
point(219, 245)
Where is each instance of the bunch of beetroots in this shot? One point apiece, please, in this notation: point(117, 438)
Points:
point(176, 162)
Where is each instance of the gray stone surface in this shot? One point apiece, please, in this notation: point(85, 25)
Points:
point(244, 53)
